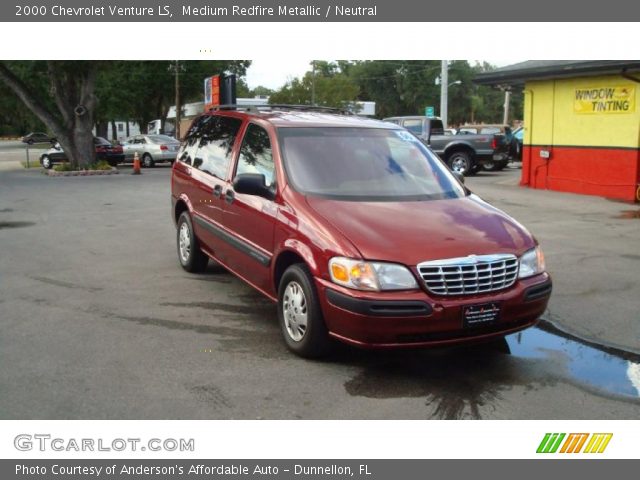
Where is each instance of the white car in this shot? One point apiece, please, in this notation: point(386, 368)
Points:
point(151, 149)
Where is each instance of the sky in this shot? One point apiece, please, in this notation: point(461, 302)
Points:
point(272, 74)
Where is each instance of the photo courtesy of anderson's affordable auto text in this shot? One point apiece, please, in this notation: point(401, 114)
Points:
point(319, 240)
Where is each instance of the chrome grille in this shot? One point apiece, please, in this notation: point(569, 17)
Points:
point(469, 275)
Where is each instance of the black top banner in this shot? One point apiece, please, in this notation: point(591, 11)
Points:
point(318, 11)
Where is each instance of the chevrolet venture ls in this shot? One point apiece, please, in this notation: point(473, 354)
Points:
point(355, 228)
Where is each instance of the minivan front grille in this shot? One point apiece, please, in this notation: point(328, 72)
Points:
point(469, 275)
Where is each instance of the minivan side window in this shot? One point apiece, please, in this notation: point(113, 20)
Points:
point(256, 155)
point(192, 140)
point(216, 143)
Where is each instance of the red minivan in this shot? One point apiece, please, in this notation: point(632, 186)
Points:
point(354, 227)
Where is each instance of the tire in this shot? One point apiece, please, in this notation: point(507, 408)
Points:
point(492, 166)
point(147, 161)
point(30, 141)
point(299, 314)
point(460, 162)
point(189, 254)
point(46, 162)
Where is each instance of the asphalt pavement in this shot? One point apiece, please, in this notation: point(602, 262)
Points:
point(98, 320)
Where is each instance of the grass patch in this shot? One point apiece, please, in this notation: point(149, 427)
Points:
point(32, 164)
point(66, 167)
point(63, 167)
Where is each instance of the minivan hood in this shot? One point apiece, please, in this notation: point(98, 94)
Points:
point(417, 231)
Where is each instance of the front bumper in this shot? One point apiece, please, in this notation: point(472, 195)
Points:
point(415, 319)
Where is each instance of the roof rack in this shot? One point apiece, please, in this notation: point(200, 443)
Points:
point(255, 108)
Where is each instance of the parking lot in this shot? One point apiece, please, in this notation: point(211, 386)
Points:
point(98, 320)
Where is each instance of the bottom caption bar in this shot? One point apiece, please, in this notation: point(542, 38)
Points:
point(329, 469)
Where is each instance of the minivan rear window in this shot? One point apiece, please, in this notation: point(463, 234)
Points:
point(364, 164)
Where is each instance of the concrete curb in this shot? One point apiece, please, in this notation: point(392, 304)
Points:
point(81, 173)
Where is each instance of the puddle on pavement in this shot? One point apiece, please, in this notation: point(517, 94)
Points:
point(460, 382)
point(611, 370)
point(15, 224)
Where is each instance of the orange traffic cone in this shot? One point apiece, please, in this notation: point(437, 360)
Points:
point(136, 165)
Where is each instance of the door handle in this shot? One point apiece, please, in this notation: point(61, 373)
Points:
point(229, 196)
point(217, 191)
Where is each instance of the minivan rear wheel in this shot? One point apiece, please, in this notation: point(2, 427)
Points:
point(299, 313)
point(191, 257)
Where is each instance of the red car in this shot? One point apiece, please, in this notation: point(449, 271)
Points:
point(112, 154)
point(355, 228)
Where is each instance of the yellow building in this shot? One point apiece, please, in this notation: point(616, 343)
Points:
point(582, 124)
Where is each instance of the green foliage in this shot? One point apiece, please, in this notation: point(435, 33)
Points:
point(32, 164)
point(64, 167)
point(331, 87)
point(15, 118)
point(145, 90)
point(260, 91)
point(101, 165)
point(126, 90)
point(67, 167)
point(402, 87)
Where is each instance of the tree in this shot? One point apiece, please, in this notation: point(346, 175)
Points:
point(261, 91)
point(15, 118)
point(332, 88)
point(69, 111)
point(145, 90)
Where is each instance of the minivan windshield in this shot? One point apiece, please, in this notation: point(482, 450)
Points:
point(364, 164)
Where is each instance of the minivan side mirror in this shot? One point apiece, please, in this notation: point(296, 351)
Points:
point(252, 184)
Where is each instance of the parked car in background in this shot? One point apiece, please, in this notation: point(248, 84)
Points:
point(151, 149)
point(465, 154)
point(38, 137)
point(355, 228)
point(516, 144)
point(104, 151)
point(503, 130)
point(450, 131)
point(485, 129)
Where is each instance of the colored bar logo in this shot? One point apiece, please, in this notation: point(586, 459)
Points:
point(574, 443)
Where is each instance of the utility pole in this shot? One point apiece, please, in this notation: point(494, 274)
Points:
point(444, 87)
point(507, 98)
point(313, 82)
point(176, 68)
point(178, 106)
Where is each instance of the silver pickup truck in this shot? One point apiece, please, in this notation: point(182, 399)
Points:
point(465, 154)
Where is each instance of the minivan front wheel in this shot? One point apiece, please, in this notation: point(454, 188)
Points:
point(299, 313)
point(191, 257)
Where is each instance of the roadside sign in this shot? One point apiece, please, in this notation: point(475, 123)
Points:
point(430, 112)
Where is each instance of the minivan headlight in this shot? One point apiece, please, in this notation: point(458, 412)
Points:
point(531, 263)
point(373, 276)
